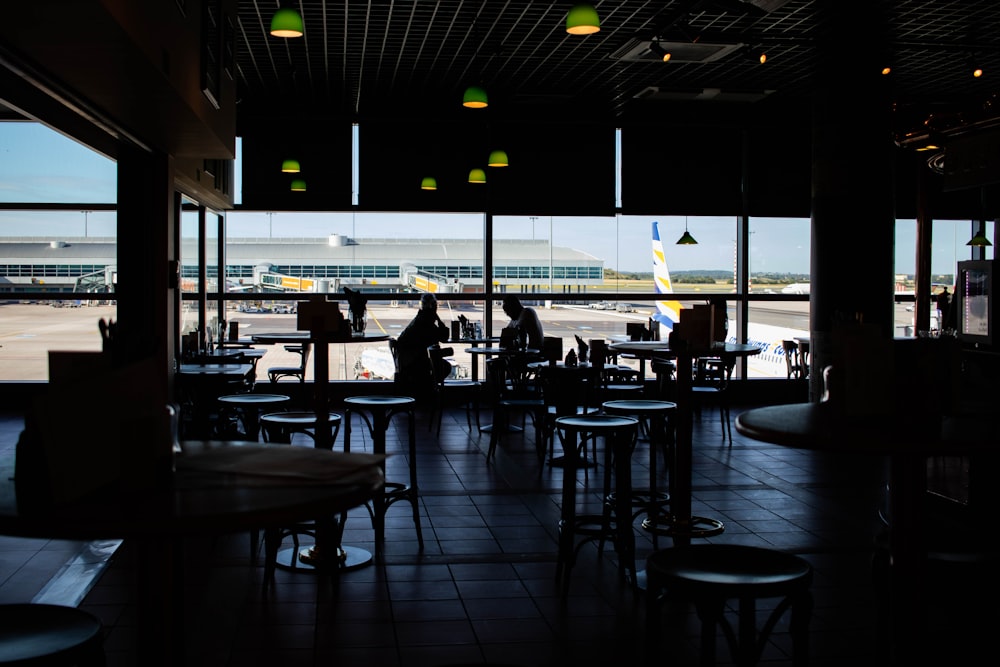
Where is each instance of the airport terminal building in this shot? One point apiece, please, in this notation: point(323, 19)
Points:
point(323, 264)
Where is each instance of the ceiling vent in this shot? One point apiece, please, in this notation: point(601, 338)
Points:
point(637, 50)
point(701, 95)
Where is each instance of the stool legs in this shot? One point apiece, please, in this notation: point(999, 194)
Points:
point(709, 575)
point(616, 506)
point(746, 644)
point(392, 491)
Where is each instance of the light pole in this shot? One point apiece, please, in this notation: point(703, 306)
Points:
point(86, 215)
point(550, 255)
point(534, 219)
point(270, 221)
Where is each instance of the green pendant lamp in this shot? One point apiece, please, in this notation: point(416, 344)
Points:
point(429, 183)
point(477, 176)
point(286, 23)
point(291, 167)
point(686, 238)
point(498, 159)
point(298, 185)
point(475, 98)
point(582, 20)
point(979, 240)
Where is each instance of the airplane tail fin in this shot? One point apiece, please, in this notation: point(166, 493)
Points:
point(668, 312)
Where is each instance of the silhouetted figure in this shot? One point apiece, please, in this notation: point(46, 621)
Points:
point(424, 330)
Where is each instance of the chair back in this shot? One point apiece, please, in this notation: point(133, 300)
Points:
point(598, 351)
point(567, 392)
point(636, 331)
point(552, 348)
point(440, 367)
point(793, 363)
point(394, 351)
point(716, 372)
point(496, 378)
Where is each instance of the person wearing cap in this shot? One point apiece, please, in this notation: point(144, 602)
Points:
point(524, 318)
point(424, 330)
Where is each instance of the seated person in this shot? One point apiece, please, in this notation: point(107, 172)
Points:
point(525, 319)
point(424, 330)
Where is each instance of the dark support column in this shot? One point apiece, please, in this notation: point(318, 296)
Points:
point(853, 218)
point(147, 273)
point(925, 233)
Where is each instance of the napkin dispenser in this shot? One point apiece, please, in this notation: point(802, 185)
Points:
point(700, 325)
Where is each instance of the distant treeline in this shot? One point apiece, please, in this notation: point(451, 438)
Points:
point(703, 277)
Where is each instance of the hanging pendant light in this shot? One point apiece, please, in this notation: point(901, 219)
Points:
point(475, 98)
point(498, 158)
point(298, 185)
point(291, 167)
point(979, 240)
point(287, 23)
point(477, 176)
point(582, 20)
point(686, 238)
point(429, 183)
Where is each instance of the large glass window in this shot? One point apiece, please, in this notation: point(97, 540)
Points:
point(41, 165)
point(779, 264)
point(50, 251)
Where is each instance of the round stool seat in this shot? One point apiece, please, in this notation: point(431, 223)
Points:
point(595, 423)
point(297, 419)
point(729, 570)
point(49, 634)
point(709, 574)
point(638, 407)
point(254, 399)
point(379, 401)
point(248, 408)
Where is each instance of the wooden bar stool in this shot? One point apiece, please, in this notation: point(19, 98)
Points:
point(377, 412)
point(47, 634)
point(277, 428)
point(248, 408)
point(656, 414)
point(710, 574)
point(614, 523)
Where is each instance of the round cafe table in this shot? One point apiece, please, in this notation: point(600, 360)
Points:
point(219, 487)
point(475, 343)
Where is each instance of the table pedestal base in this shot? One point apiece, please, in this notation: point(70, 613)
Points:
point(696, 526)
point(348, 558)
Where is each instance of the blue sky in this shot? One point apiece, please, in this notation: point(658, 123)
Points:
point(40, 165)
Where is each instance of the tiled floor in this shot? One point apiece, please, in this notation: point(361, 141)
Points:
point(483, 591)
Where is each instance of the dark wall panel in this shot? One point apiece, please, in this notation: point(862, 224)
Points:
point(322, 147)
point(557, 169)
point(681, 170)
point(396, 155)
point(779, 174)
